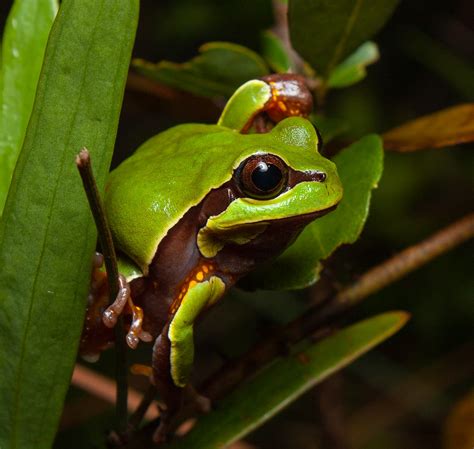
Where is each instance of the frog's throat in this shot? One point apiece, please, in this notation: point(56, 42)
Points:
point(246, 218)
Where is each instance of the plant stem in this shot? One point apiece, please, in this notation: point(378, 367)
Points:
point(137, 416)
point(83, 162)
point(407, 261)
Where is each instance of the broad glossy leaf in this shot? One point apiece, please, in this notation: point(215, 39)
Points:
point(354, 68)
point(450, 126)
point(47, 234)
point(360, 168)
point(218, 70)
point(325, 32)
point(24, 40)
point(275, 53)
point(285, 380)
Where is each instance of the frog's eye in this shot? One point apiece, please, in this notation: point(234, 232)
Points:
point(262, 176)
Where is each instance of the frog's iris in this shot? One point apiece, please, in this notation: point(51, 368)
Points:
point(263, 176)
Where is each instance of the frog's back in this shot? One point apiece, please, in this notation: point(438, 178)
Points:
point(171, 172)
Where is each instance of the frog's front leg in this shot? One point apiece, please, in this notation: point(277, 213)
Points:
point(97, 333)
point(173, 352)
point(111, 314)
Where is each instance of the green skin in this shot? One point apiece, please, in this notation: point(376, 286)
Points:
point(150, 192)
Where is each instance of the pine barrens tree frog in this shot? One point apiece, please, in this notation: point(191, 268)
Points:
point(196, 208)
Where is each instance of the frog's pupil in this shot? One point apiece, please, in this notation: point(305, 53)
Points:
point(266, 176)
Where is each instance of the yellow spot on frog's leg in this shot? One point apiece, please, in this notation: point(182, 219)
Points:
point(192, 284)
point(282, 106)
point(205, 269)
point(200, 276)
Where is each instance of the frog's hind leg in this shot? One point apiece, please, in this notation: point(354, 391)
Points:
point(173, 351)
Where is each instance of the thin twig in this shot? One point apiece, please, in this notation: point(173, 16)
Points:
point(83, 162)
point(408, 260)
point(142, 409)
point(104, 388)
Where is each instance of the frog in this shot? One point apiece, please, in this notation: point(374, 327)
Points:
point(198, 207)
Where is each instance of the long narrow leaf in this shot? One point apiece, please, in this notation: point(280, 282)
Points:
point(24, 41)
point(285, 380)
point(47, 235)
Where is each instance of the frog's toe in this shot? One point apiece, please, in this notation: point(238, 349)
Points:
point(132, 340)
point(111, 314)
point(136, 333)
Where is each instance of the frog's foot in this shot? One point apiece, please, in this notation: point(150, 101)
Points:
point(111, 314)
point(136, 333)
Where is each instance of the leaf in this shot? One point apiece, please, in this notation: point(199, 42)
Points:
point(279, 384)
point(353, 68)
point(329, 127)
point(275, 53)
point(219, 69)
point(47, 235)
point(324, 32)
point(360, 168)
point(24, 41)
point(450, 126)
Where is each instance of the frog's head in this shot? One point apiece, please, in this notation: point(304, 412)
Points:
point(280, 177)
point(275, 177)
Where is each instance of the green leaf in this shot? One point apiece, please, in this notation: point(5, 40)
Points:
point(275, 53)
point(219, 69)
point(285, 380)
point(353, 68)
point(47, 235)
point(324, 32)
point(360, 168)
point(329, 127)
point(24, 41)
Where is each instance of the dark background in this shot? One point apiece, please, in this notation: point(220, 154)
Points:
point(399, 395)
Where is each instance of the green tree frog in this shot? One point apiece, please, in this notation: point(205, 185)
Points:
point(196, 208)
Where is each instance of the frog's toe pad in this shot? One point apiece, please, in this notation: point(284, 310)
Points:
point(109, 318)
point(132, 340)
